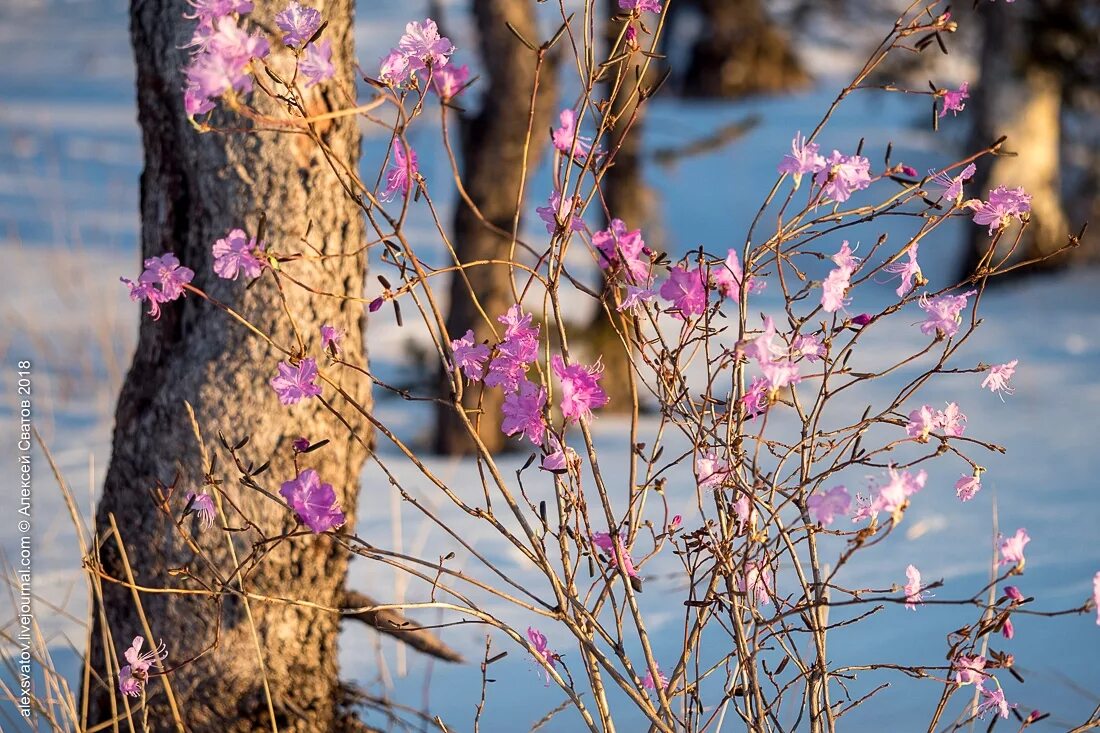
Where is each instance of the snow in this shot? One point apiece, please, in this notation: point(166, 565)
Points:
point(69, 162)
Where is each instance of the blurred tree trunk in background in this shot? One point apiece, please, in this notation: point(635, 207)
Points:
point(1041, 87)
point(493, 160)
point(739, 51)
point(193, 189)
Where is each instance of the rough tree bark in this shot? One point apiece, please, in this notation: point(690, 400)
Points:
point(739, 51)
point(194, 187)
point(492, 156)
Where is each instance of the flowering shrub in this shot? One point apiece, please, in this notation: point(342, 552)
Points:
point(752, 420)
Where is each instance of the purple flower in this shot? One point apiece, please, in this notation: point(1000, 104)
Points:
point(921, 423)
point(515, 352)
point(639, 6)
point(755, 400)
point(913, 594)
point(423, 46)
point(647, 681)
point(686, 291)
point(560, 458)
point(162, 281)
point(1095, 595)
point(331, 336)
point(955, 101)
point(203, 505)
point(523, 412)
point(617, 246)
point(402, 173)
point(951, 420)
point(994, 701)
point(470, 356)
point(449, 81)
point(756, 582)
point(824, 508)
point(235, 254)
point(316, 64)
point(953, 186)
point(298, 23)
point(809, 347)
point(969, 670)
point(549, 214)
point(710, 470)
point(394, 68)
point(300, 444)
point(802, 160)
point(1012, 548)
point(615, 551)
point(1003, 205)
point(943, 313)
point(727, 278)
point(835, 287)
point(1014, 593)
point(314, 502)
point(843, 175)
point(997, 379)
point(208, 10)
point(580, 388)
point(221, 64)
point(909, 271)
point(295, 384)
point(132, 677)
point(894, 494)
point(563, 137)
point(635, 298)
point(542, 650)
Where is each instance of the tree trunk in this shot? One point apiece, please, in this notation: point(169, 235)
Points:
point(193, 189)
point(739, 51)
point(493, 159)
point(1022, 98)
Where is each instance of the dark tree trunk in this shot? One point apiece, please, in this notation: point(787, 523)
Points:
point(195, 187)
point(739, 51)
point(1020, 95)
point(492, 154)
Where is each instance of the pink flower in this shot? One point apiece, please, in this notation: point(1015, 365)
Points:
point(402, 173)
point(206, 10)
point(711, 471)
point(615, 551)
point(225, 52)
point(894, 494)
point(636, 298)
point(569, 221)
point(298, 23)
point(564, 136)
point(913, 594)
point(580, 388)
point(955, 101)
point(969, 670)
point(686, 291)
point(1003, 205)
point(617, 246)
point(755, 400)
point(1014, 593)
point(316, 64)
point(638, 6)
point(393, 69)
point(952, 421)
point(744, 512)
point(203, 505)
point(824, 508)
point(836, 284)
point(294, 384)
point(542, 650)
point(843, 175)
point(523, 412)
point(921, 423)
point(470, 356)
point(162, 281)
point(314, 502)
point(809, 347)
point(953, 186)
point(781, 373)
point(997, 379)
point(519, 348)
point(727, 277)
point(967, 487)
point(866, 508)
point(756, 582)
point(132, 677)
point(1095, 595)
point(331, 336)
point(994, 701)
point(1008, 631)
point(449, 81)
point(943, 313)
point(1012, 548)
point(560, 459)
point(423, 46)
point(235, 254)
point(909, 271)
point(647, 681)
point(802, 160)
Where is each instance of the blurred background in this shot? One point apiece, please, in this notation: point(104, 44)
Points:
point(744, 76)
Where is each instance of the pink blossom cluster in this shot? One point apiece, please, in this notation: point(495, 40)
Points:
point(923, 421)
point(566, 138)
point(133, 676)
point(420, 50)
point(161, 282)
point(970, 670)
point(835, 287)
point(222, 57)
point(1003, 205)
point(891, 496)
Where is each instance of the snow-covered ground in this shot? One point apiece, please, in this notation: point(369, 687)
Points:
point(69, 161)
